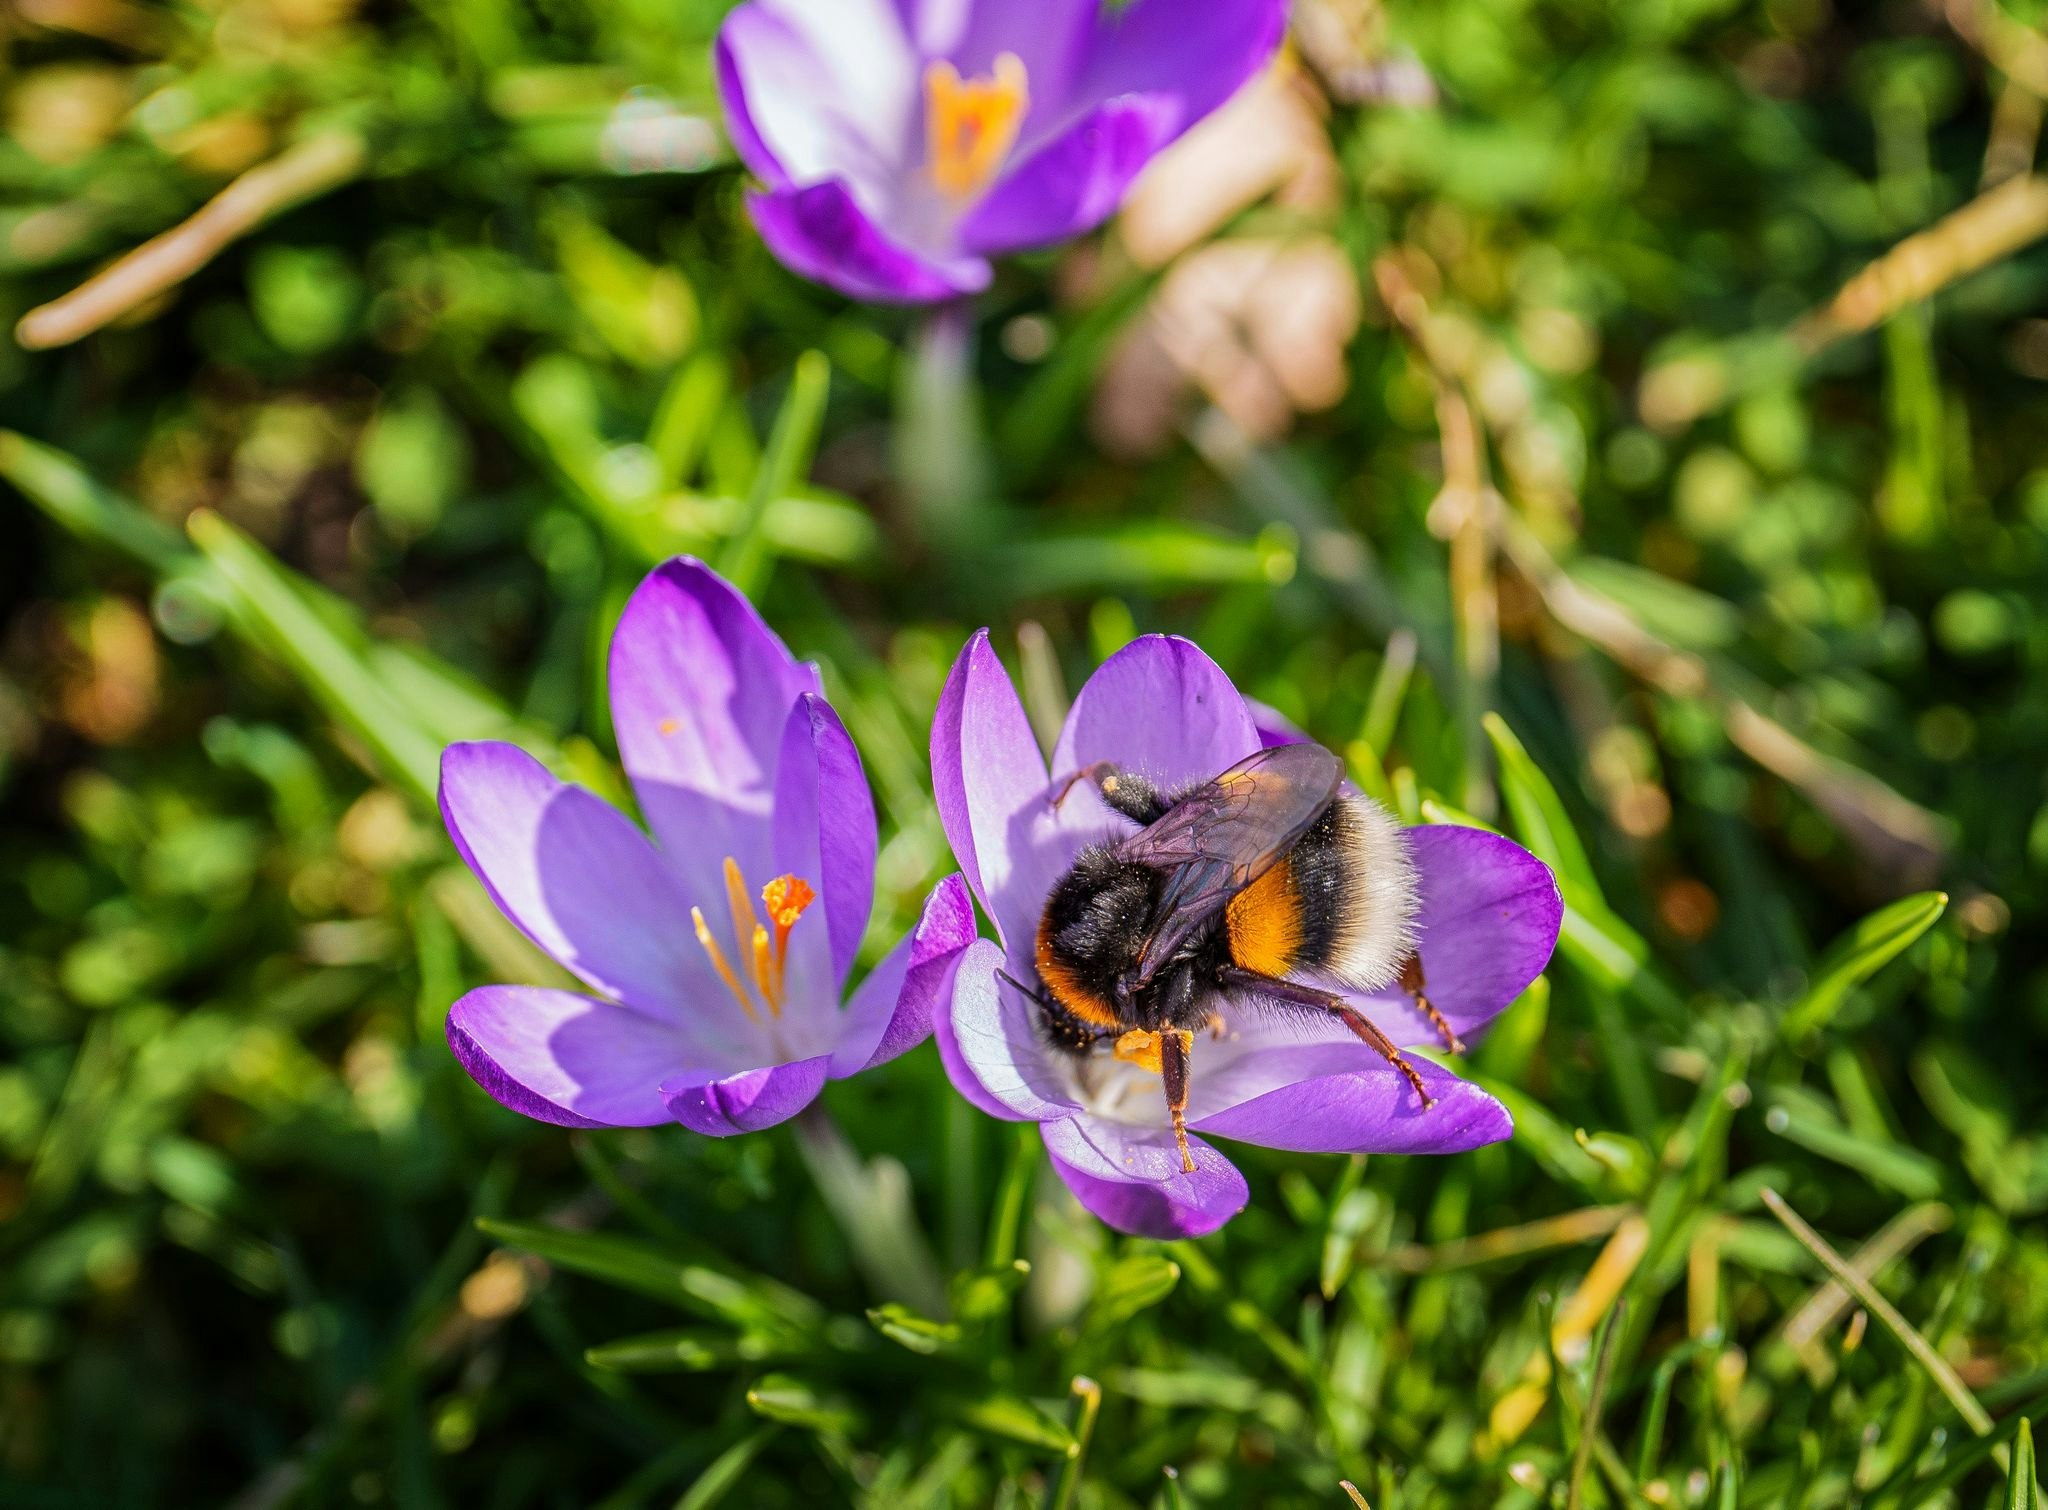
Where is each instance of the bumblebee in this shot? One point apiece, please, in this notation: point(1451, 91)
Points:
point(1253, 889)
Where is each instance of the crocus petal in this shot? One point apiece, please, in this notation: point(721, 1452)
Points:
point(1199, 55)
point(991, 787)
point(746, 138)
point(563, 1058)
point(820, 232)
point(825, 828)
point(1131, 1177)
point(991, 1046)
point(747, 1102)
point(1341, 1098)
point(1488, 921)
point(817, 89)
point(892, 1012)
point(1161, 708)
point(700, 691)
point(576, 876)
point(1074, 182)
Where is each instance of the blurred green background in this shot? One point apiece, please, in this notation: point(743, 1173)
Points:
point(1620, 420)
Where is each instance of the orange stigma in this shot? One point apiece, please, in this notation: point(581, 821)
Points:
point(970, 125)
point(785, 897)
point(756, 974)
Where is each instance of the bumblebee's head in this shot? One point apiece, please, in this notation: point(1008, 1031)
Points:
point(1093, 930)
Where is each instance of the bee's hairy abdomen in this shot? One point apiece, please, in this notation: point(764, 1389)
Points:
point(1342, 903)
point(1264, 923)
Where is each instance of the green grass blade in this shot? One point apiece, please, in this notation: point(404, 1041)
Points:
point(1023, 1421)
point(2021, 1492)
point(1907, 1171)
point(1170, 1496)
point(1087, 1405)
point(1538, 813)
point(785, 461)
point(678, 1350)
point(64, 490)
point(1596, 1400)
point(1133, 1284)
point(751, 1302)
point(1923, 1351)
point(1858, 955)
point(797, 1402)
point(682, 423)
point(1143, 556)
point(274, 607)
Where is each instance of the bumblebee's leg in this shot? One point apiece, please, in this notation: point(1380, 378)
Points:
point(1288, 993)
point(1176, 1046)
point(1411, 982)
point(1133, 796)
point(1166, 1054)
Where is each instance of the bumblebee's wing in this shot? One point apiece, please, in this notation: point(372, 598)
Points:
point(1221, 837)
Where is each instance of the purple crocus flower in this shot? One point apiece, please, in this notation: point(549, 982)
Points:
point(702, 1007)
point(1488, 917)
point(903, 143)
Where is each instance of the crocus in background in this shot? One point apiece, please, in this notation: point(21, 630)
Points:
point(715, 956)
point(902, 143)
point(1488, 919)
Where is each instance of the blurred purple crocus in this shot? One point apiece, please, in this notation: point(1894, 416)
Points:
point(1488, 919)
point(902, 143)
point(702, 1007)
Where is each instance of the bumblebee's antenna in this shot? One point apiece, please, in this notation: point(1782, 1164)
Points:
point(1057, 795)
point(1091, 774)
point(1018, 986)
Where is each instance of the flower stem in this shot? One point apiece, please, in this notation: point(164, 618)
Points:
point(940, 446)
point(871, 1203)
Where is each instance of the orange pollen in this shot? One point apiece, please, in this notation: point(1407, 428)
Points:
point(971, 124)
point(785, 897)
point(1140, 1048)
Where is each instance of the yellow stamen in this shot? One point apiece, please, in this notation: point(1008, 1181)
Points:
point(766, 975)
point(718, 963)
point(785, 897)
point(744, 922)
point(971, 124)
